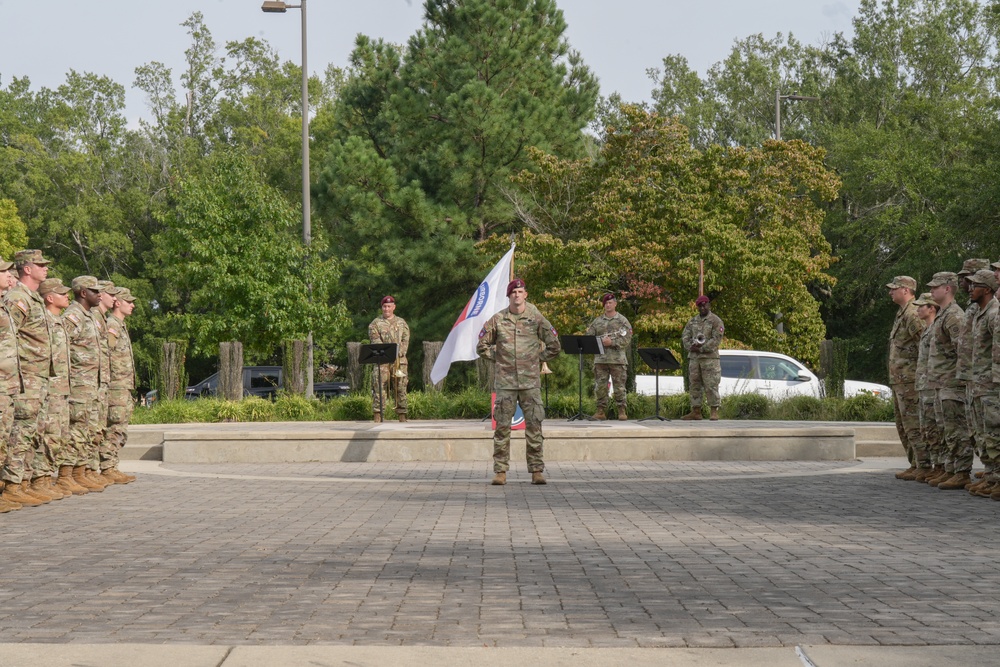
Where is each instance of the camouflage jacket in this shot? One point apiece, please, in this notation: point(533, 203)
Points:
point(924, 357)
point(518, 343)
point(963, 365)
point(711, 327)
point(395, 331)
point(100, 320)
point(620, 332)
point(943, 355)
point(85, 350)
point(27, 311)
point(904, 345)
point(120, 348)
point(59, 380)
point(980, 341)
point(10, 375)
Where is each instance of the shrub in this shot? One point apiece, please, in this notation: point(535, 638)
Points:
point(800, 408)
point(745, 406)
point(864, 408)
point(352, 408)
point(293, 407)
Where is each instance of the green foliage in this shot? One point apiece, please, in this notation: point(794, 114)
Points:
point(745, 406)
point(13, 233)
point(863, 408)
point(800, 408)
point(838, 368)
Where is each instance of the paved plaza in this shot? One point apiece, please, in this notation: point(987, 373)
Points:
point(610, 555)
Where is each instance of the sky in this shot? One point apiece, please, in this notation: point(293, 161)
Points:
point(618, 39)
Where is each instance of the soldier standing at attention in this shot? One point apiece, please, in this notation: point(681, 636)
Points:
point(904, 348)
point(949, 403)
point(102, 450)
point(27, 310)
point(616, 335)
point(963, 366)
point(388, 328)
point(518, 339)
point(120, 385)
point(701, 338)
point(10, 378)
point(930, 433)
point(984, 392)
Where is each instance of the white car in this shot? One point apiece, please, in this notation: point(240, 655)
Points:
point(772, 374)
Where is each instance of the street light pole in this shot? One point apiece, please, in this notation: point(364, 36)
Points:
point(777, 107)
point(276, 6)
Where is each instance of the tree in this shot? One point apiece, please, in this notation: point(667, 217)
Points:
point(13, 233)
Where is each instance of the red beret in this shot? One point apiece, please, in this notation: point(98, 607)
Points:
point(700, 300)
point(514, 284)
point(607, 297)
point(387, 299)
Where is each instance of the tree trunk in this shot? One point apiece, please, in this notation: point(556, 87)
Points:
point(432, 348)
point(485, 370)
point(231, 371)
point(355, 373)
point(294, 367)
point(172, 379)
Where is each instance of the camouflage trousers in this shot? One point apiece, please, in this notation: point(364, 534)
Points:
point(6, 424)
point(55, 450)
point(704, 374)
point(503, 412)
point(986, 416)
point(392, 387)
point(949, 409)
point(85, 425)
point(906, 407)
point(120, 406)
point(979, 436)
point(29, 424)
point(930, 431)
point(618, 373)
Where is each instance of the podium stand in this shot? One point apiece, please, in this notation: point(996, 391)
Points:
point(581, 345)
point(378, 354)
point(658, 358)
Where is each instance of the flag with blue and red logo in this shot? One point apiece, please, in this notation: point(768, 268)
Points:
point(488, 300)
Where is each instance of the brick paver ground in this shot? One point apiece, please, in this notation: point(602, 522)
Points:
point(634, 554)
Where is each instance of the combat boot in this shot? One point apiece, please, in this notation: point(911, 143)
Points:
point(714, 415)
point(984, 490)
point(107, 477)
point(980, 474)
point(120, 477)
point(940, 477)
point(499, 479)
point(95, 477)
point(622, 415)
point(538, 478)
point(67, 483)
point(45, 485)
point(12, 494)
point(8, 506)
point(401, 416)
point(600, 415)
point(903, 473)
point(377, 418)
point(694, 415)
point(922, 474)
point(910, 474)
point(83, 480)
point(26, 490)
point(996, 493)
point(957, 481)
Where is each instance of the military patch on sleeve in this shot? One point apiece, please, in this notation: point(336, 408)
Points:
point(112, 331)
point(722, 328)
point(20, 303)
point(554, 332)
point(482, 332)
point(73, 317)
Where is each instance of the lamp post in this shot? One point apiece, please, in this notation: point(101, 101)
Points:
point(777, 107)
point(279, 7)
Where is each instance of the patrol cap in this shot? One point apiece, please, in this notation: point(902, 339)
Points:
point(995, 265)
point(701, 299)
point(944, 278)
point(608, 296)
point(387, 299)
point(984, 277)
point(6, 266)
point(970, 266)
point(903, 281)
point(925, 300)
point(516, 283)
point(24, 257)
point(113, 290)
point(105, 286)
point(124, 294)
point(52, 286)
point(85, 282)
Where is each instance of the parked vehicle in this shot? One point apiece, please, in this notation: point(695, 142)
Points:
point(263, 381)
point(774, 375)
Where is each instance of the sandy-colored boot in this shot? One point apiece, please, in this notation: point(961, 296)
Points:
point(714, 416)
point(694, 415)
point(499, 479)
point(622, 415)
point(26, 490)
point(538, 478)
point(120, 477)
point(95, 477)
point(45, 485)
point(81, 478)
point(600, 415)
point(67, 483)
point(12, 494)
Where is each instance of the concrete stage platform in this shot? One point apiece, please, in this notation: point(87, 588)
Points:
point(467, 440)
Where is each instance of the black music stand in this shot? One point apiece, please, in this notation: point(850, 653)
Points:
point(658, 358)
point(581, 345)
point(378, 354)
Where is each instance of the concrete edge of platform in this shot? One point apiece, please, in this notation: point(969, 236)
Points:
point(171, 655)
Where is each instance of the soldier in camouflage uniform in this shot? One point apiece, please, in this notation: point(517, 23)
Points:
point(701, 338)
point(104, 451)
point(120, 385)
point(616, 335)
point(983, 390)
point(389, 328)
point(518, 339)
point(10, 378)
point(931, 437)
point(904, 348)
point(941, 375)
point(963, 364)
point(85, 353)
point(27, 311)
point(57, 452)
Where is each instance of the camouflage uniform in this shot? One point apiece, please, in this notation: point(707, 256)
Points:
point(614, 362)
point(103, 450)
point(27, 311)
point(394, 330)
point(904, 348)
point(85, 369)
point(10, 379)
point(120, 387)
point(58, 451)
point(930, 432)
point(983, 389)
point(704, 368)
point(949, 406)
point(518, 344)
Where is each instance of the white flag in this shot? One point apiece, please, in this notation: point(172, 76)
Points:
point(488, 300)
